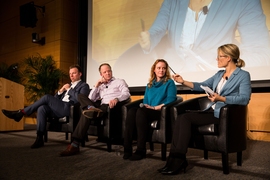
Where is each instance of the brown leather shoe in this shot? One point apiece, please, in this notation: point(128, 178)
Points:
point(71, 150)
point(92, 113)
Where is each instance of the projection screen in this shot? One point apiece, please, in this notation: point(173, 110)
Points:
point(188, 45)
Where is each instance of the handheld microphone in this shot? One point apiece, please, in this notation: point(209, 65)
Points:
point(205, 10)
point(141, 105)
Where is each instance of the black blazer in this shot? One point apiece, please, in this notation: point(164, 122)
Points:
point(80, 88)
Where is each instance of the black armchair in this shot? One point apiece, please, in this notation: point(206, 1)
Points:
point(109, 128)
point(66, 124)
point(229, 136)
point(162, 132)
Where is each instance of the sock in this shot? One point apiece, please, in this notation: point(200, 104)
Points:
point(89, 107)
point(22, 110)
point(75, 144)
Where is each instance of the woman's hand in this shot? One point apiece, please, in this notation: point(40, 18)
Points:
point(153, 107)
point(216, 97)
point(178, 78)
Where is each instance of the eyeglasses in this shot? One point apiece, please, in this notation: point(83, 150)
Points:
point(218, 57)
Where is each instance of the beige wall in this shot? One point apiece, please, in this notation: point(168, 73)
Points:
point(58, 26)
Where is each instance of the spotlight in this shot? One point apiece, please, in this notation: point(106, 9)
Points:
point(35, 39)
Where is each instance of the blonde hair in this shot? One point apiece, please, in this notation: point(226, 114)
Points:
point(166, 77)
point(233, 51)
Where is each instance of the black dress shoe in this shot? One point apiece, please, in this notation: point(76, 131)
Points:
point(138, 155)
point(16, 115)
point(176, 167)
point(127, 155)
point(169, 161)
point(163, 169)
point(38, 143)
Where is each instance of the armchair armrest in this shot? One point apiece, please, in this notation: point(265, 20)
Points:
point(128, 106)
point(232, 127)
point(182, 107)
point(167, 107)
point(164, 123)
point(194, 104)
point(165, 110)
point(132, 104)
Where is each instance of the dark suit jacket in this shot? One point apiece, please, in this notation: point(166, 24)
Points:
point(80, 88)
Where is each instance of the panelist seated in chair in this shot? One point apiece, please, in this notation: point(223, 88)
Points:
point(57, 106)
point(231, 86)
point(160, 90)
point(108, 91)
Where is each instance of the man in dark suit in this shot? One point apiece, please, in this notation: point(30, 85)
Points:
point(53, 106)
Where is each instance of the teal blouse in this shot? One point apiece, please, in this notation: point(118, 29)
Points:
point(160, 93)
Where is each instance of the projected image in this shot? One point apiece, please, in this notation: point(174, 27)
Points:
point(187, 34)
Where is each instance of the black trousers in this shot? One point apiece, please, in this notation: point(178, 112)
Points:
point(84, 123)
point(182, 129)
point(138, 121)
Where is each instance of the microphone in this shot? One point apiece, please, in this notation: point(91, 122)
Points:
point(205, 10)
point(106, 86)
point(226, 78)
point(141, 105)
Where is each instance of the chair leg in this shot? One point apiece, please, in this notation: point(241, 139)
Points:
point(205, 154)
point(239, 158)
point(151, 146)
point(83, 143)
point(225, 163)
point(66, 135)
point(109, 145)
point(163, 151)
point(46, 136)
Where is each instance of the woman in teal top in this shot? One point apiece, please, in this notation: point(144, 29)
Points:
point(160, 90)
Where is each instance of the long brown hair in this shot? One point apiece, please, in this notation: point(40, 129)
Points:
point(166, 77)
